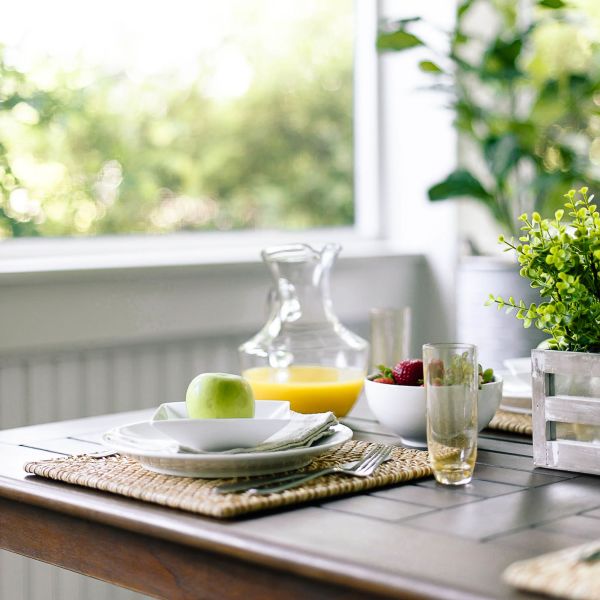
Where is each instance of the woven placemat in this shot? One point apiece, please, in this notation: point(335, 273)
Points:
point(561, 574)
point(513, 422)
point(125, 476)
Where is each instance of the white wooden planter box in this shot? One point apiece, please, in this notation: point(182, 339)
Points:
point(566, 410)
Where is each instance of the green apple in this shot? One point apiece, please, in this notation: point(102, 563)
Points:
point(219, 396)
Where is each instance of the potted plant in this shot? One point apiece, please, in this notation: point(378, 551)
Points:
point(522, 89)
point(523, 94)
point(561, 259)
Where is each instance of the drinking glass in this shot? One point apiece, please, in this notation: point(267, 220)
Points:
point(451, 386)
point(390, 336)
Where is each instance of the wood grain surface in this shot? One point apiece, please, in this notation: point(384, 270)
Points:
point(411, 541)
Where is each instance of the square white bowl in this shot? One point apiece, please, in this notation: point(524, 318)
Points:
point(218, 435)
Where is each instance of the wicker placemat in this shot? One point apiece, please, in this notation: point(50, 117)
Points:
point(513, 422)
point(125, 476)
point(562, 574)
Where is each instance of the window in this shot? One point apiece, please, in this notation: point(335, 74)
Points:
point(212, 116)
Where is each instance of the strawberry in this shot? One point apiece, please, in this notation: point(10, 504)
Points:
point(409, 372)
point(384, 380)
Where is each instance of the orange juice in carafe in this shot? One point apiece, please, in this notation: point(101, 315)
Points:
point(303, 353)
point(308, 388)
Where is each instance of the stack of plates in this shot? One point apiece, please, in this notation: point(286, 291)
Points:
point(163, 443)
point(516, 393)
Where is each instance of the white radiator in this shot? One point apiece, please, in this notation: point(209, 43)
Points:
point(67, 384)
point(50, 386)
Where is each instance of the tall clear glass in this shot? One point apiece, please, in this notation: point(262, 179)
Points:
point(451, 386)
point(303, 353)
point(390, 336)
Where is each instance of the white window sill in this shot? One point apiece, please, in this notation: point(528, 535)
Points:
point(42, 257)
point(184, 288)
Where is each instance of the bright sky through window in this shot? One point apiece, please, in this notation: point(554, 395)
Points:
point(200, 115)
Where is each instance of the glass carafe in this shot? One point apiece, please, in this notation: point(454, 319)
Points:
point(303, 353)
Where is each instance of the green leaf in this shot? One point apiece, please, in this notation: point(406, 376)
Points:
point(463, 8)
point(500, 60)
point(429, 67)
point(459, 183)
point(396, 41)
point(502, 154)
point(551, 3)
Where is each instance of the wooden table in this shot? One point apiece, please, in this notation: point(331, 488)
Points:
point(408, 541)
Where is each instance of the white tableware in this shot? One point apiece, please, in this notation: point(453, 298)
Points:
point(129, 439)
point(217, 435)
point(516, 402)
point(490, 397)
point(263, 409)
point(516, 394)
point(520, 368)
point(402, 408)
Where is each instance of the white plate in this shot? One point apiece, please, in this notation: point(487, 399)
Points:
point(169, 462)
point(516, 395)
point(520, 370)
point(217, 435)
point(516, 403)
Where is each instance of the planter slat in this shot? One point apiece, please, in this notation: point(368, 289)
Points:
point(573, 409)
point(567, 363)
point(581, 457)
point(548, 409)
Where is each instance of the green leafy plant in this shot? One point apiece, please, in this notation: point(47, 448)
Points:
point(523, 91)
point(562, 260)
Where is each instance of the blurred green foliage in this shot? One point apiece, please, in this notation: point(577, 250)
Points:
point(525, 89)
point(89, 152)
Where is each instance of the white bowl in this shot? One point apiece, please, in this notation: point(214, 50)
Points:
point(402, 408)
point(217, 435)
point(263, 409)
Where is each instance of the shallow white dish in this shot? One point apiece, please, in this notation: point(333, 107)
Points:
point(169, 462)
point(263, 409)
point(520, 369)
point(217, 435)
point(516, 395)
point(516, 402)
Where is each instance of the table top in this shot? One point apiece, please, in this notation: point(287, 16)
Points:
point(407, 541)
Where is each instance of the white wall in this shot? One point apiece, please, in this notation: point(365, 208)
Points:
point(418, 150)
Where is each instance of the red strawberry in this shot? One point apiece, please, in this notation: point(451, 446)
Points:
point(384, 380)
point(409, 372)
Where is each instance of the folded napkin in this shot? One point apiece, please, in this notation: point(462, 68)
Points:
point(301, 431)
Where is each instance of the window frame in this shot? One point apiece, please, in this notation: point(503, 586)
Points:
point(384, 203)
point(138, 250)
point(401, 251)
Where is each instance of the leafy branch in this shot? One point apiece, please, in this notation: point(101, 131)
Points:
point(562, 260)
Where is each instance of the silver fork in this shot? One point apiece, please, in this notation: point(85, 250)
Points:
point(350, 468)
point(362, 468)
